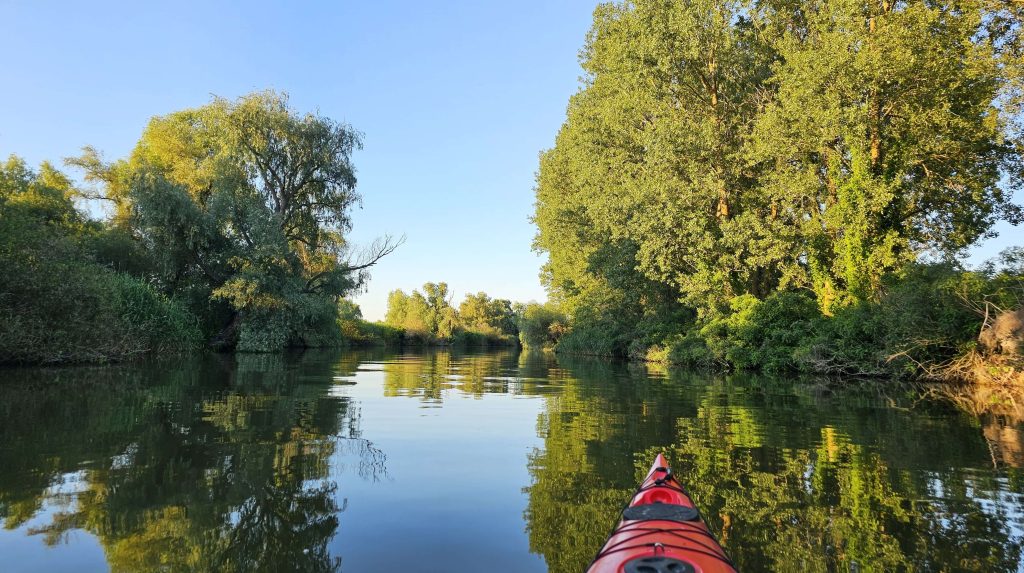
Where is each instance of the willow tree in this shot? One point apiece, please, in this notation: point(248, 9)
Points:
point(244, 206)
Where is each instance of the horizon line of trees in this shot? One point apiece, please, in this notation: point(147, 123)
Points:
point(430, 318)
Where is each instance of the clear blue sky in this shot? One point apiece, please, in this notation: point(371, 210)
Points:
point(455, 99)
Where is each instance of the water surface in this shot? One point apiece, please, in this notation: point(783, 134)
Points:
point(444, 461)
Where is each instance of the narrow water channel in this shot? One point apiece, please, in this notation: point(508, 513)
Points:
point(499, 461)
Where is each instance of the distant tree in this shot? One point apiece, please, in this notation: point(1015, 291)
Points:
point(480, 313)
point(442, 319)
point(429, 316)
point(540, 325)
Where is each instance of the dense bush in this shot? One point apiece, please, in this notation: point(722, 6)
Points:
point(57, 304)
point(476, 339)
point(754, 334)
point(376, 333)
point(765, 334)
point(540, 325)
point(160, 324)
point(623, 319)
point(926, 315)
point(355, 331)
point(688, 349)
point(596, 338)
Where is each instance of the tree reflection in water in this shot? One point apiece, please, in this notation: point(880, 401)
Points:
point(223, 465)
point(788, 479)
point(231, 464)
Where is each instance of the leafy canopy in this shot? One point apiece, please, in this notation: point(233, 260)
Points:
point(244, 206)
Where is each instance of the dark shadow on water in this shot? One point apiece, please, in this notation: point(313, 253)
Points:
point(215, 464)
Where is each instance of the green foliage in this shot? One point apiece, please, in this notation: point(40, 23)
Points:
point(480, 313)
point(924, 315)
point(57, 304)
point(159, 323)
point(234, 212)
point(1003, 287)
point(761, 334)
point(425, 318)
point(357, 331)
point(378, 333)
point(429, 318)
point(754, 334)
point(688, 349)
point(649, 161)
point(735, 156)
point(540, 325)
point(896, 137)
point(240, 208)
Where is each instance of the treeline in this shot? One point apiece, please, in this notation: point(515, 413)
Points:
point(428, 318)
point(776, 184)
point(226, 228)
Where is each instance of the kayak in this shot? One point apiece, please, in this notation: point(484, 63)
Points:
point(661, 531)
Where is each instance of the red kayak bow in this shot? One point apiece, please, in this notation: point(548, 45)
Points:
point(661, 531)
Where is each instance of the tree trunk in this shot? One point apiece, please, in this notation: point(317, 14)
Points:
point(227, 338)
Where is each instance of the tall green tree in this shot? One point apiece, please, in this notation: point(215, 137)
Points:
point(244, 206)
point(648, 161)
point(723, 148)
point(889, 133)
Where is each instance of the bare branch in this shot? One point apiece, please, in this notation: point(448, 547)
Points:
point(377, 250)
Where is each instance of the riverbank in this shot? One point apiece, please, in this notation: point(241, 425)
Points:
point(782, 209)
point(929, 322)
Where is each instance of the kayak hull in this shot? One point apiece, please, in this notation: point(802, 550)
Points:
point(661, 531)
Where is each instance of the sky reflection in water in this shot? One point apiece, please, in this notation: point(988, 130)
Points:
point(498, 461)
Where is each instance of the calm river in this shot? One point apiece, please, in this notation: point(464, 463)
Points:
point(501, 461)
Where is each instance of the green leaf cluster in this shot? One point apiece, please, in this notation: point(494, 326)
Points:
point(540, 325)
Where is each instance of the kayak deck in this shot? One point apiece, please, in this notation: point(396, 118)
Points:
point(661, 531)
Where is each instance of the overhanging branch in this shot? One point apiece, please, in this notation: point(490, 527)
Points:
point(371, 255)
